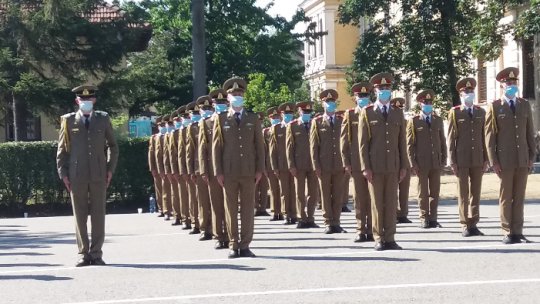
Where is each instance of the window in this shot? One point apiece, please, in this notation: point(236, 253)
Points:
point(33, 127)
point(322, 37)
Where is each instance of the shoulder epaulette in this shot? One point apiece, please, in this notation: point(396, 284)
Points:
point(69, 115)
point(102, 113)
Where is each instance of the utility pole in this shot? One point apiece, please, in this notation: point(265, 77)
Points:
point(198, 48)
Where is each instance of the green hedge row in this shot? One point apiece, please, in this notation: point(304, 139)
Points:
point(28, 175)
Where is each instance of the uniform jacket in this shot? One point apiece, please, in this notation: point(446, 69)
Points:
point(324, 144)
point(298, 147)
point(350, 152)
point(466, 139)
point(277, 147)
point(426, 145)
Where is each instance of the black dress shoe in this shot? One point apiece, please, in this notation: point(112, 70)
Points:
point(379, 246)
point(195, 231)
point(476, 232)
point(369, 237)
point(83, 262)
point(338, 229)
point(328, 230)
point(403, 220)
point(246, 253)
point(98, 262)
point(294, 221)
point(205, 236)
point(225, 244)
point(287, 221)
point(233, 254)
point(312, 225)
point(280, 217)
point(176, 222)
point(360, 238)
point(392, 246)
point(319, 207)
point(345, 209)
point(275, 218)
point(434, 224)
point(161, 214)
point(302, 225)
point(508, 239)
point(167, 217)
point(520, 237)
point(186, 226)
point(466, 232)
point(424, 224)
point(218, 245)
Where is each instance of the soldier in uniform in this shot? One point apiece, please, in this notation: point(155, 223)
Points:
point(163, 166)
point(273, 181)
point(261, 191)
point(404, 185)
point(200, 203)
point(187, 169)
point(174, 176)
point(510, 148)
point(239, 161)
point(152, 165)
point(300, 166)
point(383, 159)
point(468, 155)
point(278, 163)
point(326, 160)
point(218, 102)
point(179, 168)
point(346, 179)
point(87, 171)
point(351, 160)
point(426, 148)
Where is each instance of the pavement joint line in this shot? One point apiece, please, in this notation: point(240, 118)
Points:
point(311, 290)
point(263, 257)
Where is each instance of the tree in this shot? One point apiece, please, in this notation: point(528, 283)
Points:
point(47, 47)
point(241, 39)
point(426, 46)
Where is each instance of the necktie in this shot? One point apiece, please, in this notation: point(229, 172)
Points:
point(428, 121)
point(237, 117)
point(470, 112)
point(512, 106)
point(384, 112)
point(306, 125)
point(86, 120)
point(332, 122)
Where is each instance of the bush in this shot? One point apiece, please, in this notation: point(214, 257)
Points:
point(28, 177)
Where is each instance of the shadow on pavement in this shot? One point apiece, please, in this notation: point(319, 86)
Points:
point(34, 277)
point(339, 258)
point(189, 266)
point(29, 265)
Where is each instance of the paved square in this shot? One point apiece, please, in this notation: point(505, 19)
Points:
point(152, 262)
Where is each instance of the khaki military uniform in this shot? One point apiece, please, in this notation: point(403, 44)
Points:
point(261, 195)
point(273, 181)
point(466, 148)
point(299, 158)
point(278, 163)
point(426, 149)
point(152, 165)
point(163, 166)
point(326, 157)
point(202, 201)
point(206, 167)
point(80, 157)
point(350, 154)
point(172, 162)
point(383, 151)
point(403, 196)
point(191, 186)
point(510, 144)
point(238, 154)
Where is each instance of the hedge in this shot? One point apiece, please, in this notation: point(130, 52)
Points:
point(28, 176)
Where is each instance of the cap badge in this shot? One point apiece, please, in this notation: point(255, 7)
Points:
point(363, 90)
point(383, 81)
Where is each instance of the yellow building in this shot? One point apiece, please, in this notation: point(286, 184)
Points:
point(327, 61)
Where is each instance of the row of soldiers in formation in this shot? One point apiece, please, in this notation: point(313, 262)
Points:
point(212, 157)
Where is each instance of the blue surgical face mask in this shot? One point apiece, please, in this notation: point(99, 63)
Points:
point(287, 118)
point(186, 122)
point(331, 106)
point(170, 129)
point(162, 130)
point(275, 121)
point(86, 105)
point(177, 124)
point(221, 107)
point(511, 91)
point(427, 108)
point(207, 113)
point(384, 96)
point(362, 101)
point(467, 99)
point(195, 117)
point(306, 117)
point(237, 101)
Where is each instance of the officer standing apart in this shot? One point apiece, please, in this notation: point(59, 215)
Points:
point(351, 160)
point(326, 160)
point(468, 155)
point(383, 159)
point(426, 148)
point(86, 170)
point(510, 147)
point(299, 163)
point(238, 158)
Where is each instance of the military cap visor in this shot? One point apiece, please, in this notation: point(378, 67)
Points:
point(466, 83)
point(85, 91)
point(398, 102)
point(427, 94)
point(286, 107)
point(381, 79)
point(362, 88)
point(272, 111)
point(306, 106)
point(329, 94)
point(507, 74)
point(235, 84)
point(204, 101)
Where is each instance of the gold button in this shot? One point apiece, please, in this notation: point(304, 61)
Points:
point(386, 133)
point(240, 146)
point(387, 124)
point(518, 146)
point(473, 148)
point(516, 126)
point(387, 141)
point(241, 154)
point(517, 136)
point(387, 151)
